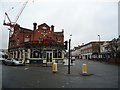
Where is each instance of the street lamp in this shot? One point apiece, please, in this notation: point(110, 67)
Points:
point(99, 45)
point(99, 37)
point(69, 55)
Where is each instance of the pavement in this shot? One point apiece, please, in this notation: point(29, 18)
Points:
point(105, 75)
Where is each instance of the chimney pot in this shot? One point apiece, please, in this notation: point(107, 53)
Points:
point(34, 25)
point(52, 28)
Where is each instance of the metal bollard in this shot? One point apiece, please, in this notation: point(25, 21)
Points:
point(84, 69)
point(54, 67)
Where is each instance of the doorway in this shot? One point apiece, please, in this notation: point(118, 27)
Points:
point(49, 56)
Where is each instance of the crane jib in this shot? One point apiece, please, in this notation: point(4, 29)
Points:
point(10, 23)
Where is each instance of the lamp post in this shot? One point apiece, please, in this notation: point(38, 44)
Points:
point(99, 37)
point(99, 47)
point(69, 55)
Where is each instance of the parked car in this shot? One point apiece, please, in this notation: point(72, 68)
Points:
point(12, 61)
point(73, 58)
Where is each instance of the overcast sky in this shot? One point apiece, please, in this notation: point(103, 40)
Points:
point(84, 19)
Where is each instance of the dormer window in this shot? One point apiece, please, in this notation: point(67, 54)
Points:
point(44, 28)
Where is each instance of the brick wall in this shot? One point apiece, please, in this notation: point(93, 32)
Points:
point(44, 31)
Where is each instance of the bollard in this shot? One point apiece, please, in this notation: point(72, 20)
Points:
point(54, 67)
point(84, 69)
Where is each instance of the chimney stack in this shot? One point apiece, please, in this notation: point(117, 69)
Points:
point(62, 30)
point(34, 25)
point(52, 28)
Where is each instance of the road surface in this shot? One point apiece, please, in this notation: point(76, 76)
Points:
point(105, 75)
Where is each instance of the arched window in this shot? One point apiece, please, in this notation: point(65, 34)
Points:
point(55, 54)
point(36, 54)
point(59, 54)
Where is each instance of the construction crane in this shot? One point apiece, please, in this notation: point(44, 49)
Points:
point(12, 24)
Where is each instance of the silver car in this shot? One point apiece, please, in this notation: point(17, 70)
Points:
point(12, 61)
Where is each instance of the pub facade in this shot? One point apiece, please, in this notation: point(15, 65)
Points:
point(38, 46)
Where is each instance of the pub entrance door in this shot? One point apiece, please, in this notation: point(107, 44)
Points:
point(49, 56)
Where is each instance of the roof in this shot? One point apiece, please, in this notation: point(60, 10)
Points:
point(58, 33)
point(25, 29)
point(89, 43)
point(94, 42)
point(44, 24)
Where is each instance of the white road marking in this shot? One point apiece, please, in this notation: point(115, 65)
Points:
point(25, 68)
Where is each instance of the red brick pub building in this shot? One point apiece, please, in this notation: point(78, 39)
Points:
point(40, 45)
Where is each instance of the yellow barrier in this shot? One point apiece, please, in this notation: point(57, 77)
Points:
point(84, 68)
point(54, 67)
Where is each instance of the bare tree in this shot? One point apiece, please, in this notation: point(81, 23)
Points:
point(113, 46)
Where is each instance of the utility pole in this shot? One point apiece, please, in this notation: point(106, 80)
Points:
point(69, 58)
point(69, 55)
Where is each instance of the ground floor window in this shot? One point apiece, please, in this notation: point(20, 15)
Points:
point(14, 54)
point(18, 54)
point(59, 54)
point(35, 54)
point(55, 54)
point(44, 54)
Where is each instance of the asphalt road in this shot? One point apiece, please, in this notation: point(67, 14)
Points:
point(105, 75)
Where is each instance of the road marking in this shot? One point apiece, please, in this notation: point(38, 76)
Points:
point(25, 68)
